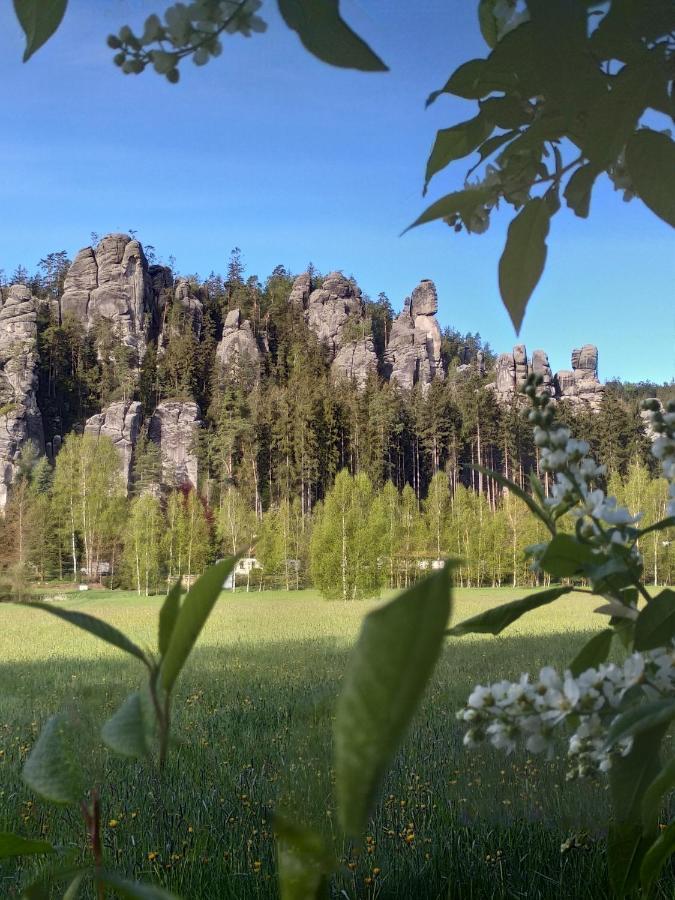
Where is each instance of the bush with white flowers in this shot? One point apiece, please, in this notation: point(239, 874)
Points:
point(613, 716)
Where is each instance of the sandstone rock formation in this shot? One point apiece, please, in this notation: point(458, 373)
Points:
point(646, 417)
point(355, 360)
point(581, 385)
point(112, 281)
point(20, 419)
point(302, 288)
point(413, 353)
point(173, 427)
point(121, 422)
point(238, 353)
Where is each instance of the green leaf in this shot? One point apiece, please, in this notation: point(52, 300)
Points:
point(194, 612)
point(464, 82)
point(524, 257)
point(388, 672)
point(327, 36)
point(653, 796)
point(39, 20)
point(94, 626)
point(594, 652)
point(168, 615)
point(487, 148)
point(519, 492)
point(661, 525)
point(495, 620)
point(650, 157)
point(487, 21)
point(125, 731)
point(455, 143)
point(13, 845)
point(51, 770)
point(73, 889)
point(656, 857)
point(655, 625)
point(629, 778)
point(133, 890)
point(639, 718)
point(505, 112)
point(303, 861)
point(579, 188)
point(566, 556)
point(463, 203)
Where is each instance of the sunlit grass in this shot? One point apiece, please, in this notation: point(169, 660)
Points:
point(252, 722)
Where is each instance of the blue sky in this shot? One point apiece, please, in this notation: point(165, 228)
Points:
point(291, 160)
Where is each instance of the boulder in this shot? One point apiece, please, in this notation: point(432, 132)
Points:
point(173, 427)
point(413, 353)
point(581, 385)
point(329, 309)
point(20, 418)
point(237, 353)
point(121, 422)
point(112, 281)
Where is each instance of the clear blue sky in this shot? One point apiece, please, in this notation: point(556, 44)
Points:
point(291, 160)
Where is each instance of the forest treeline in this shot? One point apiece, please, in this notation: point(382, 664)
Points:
point(276, 450)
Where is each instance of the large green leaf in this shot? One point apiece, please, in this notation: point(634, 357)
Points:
point(327, 36)
point(578, 190)
point(42, 887)
point(194, 612)
point(656, 857)
point(629, 778)
point(594, 652)
point(653, 796)
point(464, 82)
point(455, 143)
point(655, 625)
point(388, 672)
point(168, 615)
point(488, 21)
point(94, 626)
point(463, 203)
point(14, 845)
point(641, 717)
point(524, 257)
point(133, 890)
point(125, 731)
point(303, 861)
point(39, 20)
point(650, 157)
point(566, 556)
point(495, 620)
point(51, 770)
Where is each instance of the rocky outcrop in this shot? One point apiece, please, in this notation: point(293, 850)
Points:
point(302, 288)
point(121, 422)
point(413, 353)
point(173, 427)
point(20, 419)
point(112, 282)
point(191, 307)
point(238, 354)
point(581, 385)
point(578, 386)
point(646, 417)
point(355, 361)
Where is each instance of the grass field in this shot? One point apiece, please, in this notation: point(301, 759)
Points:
point(252, 722)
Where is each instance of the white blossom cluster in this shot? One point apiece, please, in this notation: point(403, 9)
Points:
point(529, 711)
point(663, 448)
point(574, 472)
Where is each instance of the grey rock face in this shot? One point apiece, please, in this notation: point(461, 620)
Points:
point(173, 427)
point(413, 353)
point(121, 422)
point(581, 385)
point(646, 417)
point(191, 305)
point(506, 376)
point(355, 361)
point(302, 288)
point(238, 353)
point(112, 282)
point(20, 419)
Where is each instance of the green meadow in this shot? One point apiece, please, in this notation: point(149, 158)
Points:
point(252, 727)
